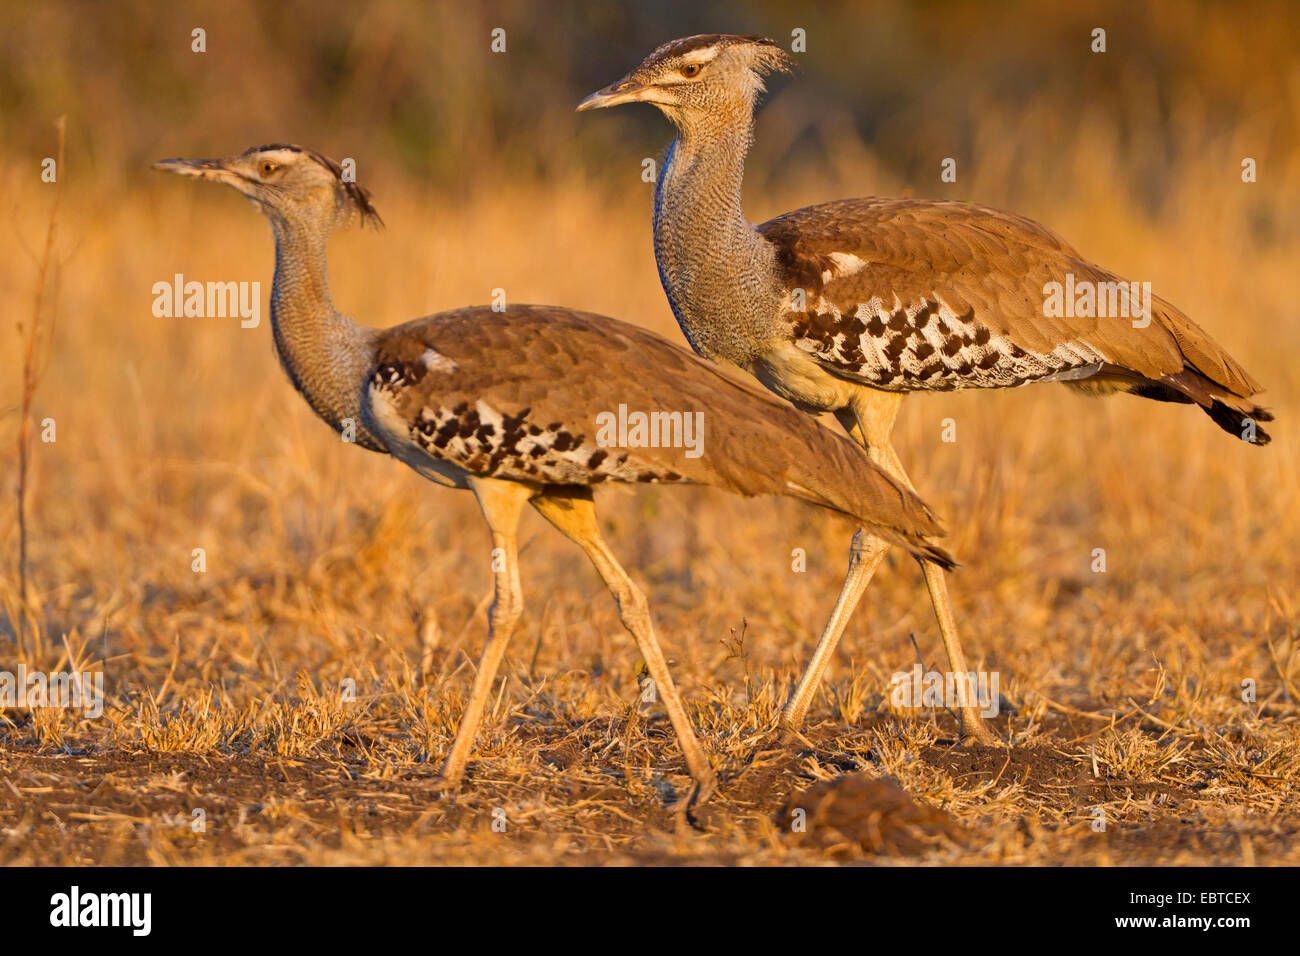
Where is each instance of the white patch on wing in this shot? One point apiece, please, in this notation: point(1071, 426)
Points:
point(435, 361)
point(842, 264)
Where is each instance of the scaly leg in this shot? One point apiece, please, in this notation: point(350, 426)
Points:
point(501, 503)
point(575, 516)
point(865, 555)
point(972, 726)
point(870, 423)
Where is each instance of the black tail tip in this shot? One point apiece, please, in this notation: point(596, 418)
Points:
point(1243, 424)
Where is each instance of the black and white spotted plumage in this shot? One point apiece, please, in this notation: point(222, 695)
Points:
point(518, 395)
point(914, 295)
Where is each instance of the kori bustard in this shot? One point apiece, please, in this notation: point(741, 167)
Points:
point(847, 306)
point(507, 405)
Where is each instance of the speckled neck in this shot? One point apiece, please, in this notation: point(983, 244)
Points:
point(326, 355)
point(719, 273)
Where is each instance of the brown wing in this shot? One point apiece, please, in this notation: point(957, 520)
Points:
point(913, 294)
point(555, 396)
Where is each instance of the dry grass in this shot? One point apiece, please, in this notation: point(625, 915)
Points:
point(326, 564)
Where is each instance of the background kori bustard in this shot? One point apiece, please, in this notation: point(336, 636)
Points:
point(507, 405)
point(847, 306)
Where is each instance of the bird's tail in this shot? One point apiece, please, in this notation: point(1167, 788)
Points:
point(1213, 379)
point(1236, 414)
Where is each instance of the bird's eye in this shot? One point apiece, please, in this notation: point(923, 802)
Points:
point(691, 69)
point(268, 167)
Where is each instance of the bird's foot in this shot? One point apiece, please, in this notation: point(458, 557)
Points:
point(699, 792)
point(443, 786)
point(789, 737)
point(778, 749)
point(975, 733)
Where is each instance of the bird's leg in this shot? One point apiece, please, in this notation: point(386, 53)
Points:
point(575, 516)
point(865, 555)
point(869, 422)
point(501, 503)
point(973, 729)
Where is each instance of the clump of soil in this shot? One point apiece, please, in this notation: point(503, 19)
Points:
point(873, 814)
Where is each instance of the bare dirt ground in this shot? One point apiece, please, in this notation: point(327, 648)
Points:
point(558, 801)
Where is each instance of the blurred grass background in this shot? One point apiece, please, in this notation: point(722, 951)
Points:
point(180, 433)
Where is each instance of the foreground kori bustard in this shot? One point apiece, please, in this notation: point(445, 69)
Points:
point(847, 306)
point(509, 405)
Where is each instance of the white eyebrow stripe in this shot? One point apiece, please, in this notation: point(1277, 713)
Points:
point(704, 54)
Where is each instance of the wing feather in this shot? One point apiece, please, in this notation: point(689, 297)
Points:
point(986, 272)
point(521, 394)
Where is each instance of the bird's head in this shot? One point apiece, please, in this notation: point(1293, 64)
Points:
point(698, 77)
point(288, 183)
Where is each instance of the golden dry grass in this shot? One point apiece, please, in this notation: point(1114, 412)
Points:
point(326, 564)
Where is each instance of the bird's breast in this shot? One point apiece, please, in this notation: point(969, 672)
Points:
point(792, 373)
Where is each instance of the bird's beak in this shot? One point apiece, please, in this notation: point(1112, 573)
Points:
point(214, 169)
point(624, 91)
